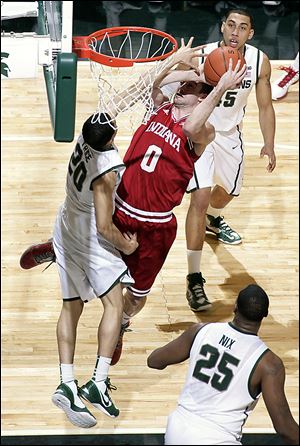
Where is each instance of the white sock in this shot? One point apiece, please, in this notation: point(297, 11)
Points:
point(125, 318)
point(214, 212)
point(101, 368)
point(295, 64)
point(193, 259)
point(66, 372)
point(77, 400)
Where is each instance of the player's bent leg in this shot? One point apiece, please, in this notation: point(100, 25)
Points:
point(195, 233)
point(67, 328)
point(118, 350)
point(109, 327)
point(37, 254)
point(195, 219)
point(132, 306)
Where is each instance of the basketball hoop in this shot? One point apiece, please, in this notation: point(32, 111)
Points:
point(93, 46)
point(118, 57)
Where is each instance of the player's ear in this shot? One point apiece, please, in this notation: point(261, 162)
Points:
point(251, 34)
point(222, 27)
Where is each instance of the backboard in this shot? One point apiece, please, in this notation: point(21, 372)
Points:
point(55, 19)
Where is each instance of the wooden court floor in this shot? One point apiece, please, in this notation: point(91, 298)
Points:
point(33, 181)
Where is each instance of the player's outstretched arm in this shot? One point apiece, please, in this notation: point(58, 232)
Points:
point(272, 386)
point(127, 97)
point(266, 113)
point(195, 126)
point(175, 351)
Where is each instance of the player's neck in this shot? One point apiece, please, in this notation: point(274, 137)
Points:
point(244, 325)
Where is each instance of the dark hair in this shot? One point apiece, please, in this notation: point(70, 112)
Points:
point(241, 12)
point(97, 131)
point(253, 303)
point(206, 88)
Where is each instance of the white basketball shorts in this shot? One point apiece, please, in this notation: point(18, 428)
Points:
point(87, 270)
point(222, 163)
point(186, 428)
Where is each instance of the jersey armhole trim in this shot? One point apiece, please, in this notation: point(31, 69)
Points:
point(200, 328)
point(104, 173)
point(252, 372)
point(257, 65)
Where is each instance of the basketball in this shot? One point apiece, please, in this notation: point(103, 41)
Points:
point(217, 62)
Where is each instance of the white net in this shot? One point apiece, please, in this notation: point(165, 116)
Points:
point(134, 83)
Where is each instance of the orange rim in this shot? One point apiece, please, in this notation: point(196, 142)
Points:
point(80, 46)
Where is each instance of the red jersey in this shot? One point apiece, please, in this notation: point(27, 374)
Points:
point(159, 165)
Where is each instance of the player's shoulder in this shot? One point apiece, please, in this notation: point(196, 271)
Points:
point(251, 50)
point(271, 363)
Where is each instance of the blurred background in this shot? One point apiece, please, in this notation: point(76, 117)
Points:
point(276, 23)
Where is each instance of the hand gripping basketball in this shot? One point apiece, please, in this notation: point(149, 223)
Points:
point(217, 63)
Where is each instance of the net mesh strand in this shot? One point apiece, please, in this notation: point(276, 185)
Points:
point(112, 81)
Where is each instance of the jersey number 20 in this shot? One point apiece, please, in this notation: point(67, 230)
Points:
point(77, 168)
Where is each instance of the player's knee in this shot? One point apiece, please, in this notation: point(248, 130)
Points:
point(200, 200)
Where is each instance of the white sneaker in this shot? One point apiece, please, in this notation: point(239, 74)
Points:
point(280, 86)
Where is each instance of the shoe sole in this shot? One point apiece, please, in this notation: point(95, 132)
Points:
point(98, 406)
point(203, 308)
point(235, 242)
point(78, 419)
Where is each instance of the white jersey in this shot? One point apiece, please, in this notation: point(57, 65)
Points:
point(88, 264)
point(86, 165)
point(222, 161)
point(230, 112)
point(222, 360)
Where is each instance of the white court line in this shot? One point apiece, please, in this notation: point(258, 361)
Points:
point(128, 138)
point(117, 431)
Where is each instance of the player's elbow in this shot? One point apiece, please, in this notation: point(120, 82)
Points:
point(203, 135)
point(154, 362)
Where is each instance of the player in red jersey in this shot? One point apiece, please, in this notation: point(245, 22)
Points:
point(159, 164)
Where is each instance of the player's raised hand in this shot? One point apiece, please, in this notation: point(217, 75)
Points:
point(187, 55)
point(233, 77)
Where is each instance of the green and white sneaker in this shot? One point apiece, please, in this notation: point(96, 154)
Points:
point(77, 413)
point(222, 230)
point(97, 395)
